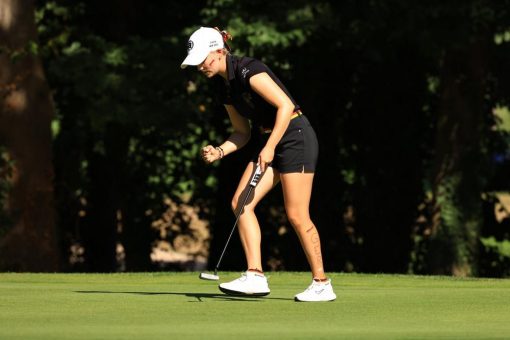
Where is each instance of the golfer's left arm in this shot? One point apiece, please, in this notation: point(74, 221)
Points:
point(273, 94)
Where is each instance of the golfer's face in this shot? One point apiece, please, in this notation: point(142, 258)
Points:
point(209, 66)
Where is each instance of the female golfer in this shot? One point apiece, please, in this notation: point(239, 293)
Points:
point(288, 154)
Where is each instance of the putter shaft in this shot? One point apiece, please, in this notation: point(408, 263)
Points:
point(257, 175)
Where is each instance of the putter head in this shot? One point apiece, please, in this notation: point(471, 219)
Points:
point(210, 277)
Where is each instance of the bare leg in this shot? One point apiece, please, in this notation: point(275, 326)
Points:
point(249, 229)
point(297, 190)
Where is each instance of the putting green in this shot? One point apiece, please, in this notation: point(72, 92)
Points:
point(180, 306)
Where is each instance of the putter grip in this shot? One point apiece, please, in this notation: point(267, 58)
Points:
point(256, 176)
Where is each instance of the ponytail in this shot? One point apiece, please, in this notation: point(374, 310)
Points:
point(226, 36)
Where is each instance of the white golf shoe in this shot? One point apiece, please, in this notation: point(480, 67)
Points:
point(250, 283)
point(316, 292)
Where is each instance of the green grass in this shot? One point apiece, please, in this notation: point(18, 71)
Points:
point(180, 306)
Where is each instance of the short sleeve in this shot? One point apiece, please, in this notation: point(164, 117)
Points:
point(250, 69)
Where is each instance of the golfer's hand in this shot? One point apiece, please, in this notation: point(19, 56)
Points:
point(210, 154)
point(265, 158)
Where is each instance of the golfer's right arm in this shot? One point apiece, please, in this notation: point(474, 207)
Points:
point(239, 137)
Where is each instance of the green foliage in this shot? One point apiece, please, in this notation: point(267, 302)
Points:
point(500, 247)
point(125, 107)
point(496, 256)
point(502, 119)
point(264, 36)
point(136, 83)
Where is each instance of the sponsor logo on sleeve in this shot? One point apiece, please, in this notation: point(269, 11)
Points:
point(244, 72)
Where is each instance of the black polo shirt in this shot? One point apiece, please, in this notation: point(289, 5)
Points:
point(238, 92)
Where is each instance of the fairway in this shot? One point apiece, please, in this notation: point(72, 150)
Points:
point(180, 306)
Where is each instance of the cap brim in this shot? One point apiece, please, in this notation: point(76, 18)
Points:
point(193, 59)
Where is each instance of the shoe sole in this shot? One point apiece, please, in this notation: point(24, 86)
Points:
point(236, 293)
point(297, 300)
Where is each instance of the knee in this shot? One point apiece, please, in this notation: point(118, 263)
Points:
point(235, 205)
point(298, 220)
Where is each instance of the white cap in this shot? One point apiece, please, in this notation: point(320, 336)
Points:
point(201, 42)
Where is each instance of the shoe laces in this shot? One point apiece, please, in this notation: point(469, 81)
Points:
point(243, 277)
point(316, 284)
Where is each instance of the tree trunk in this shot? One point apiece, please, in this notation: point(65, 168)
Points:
point(30, 243)
point(458, 176)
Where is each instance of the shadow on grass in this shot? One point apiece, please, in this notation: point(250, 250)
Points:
point(197, 296)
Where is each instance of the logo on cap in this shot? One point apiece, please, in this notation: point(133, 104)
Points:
point(190, 45)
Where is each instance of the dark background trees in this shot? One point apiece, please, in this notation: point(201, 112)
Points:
point(409, 102)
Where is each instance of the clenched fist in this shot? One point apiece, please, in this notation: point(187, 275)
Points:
point(210, 154)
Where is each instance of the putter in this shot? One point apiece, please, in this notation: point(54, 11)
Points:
point(253, 183)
